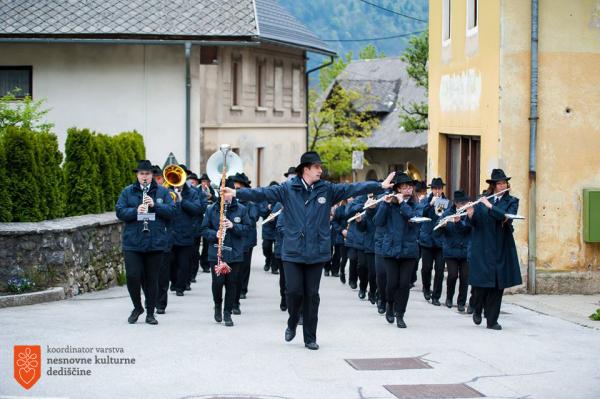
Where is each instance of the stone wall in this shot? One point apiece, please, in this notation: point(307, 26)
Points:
point(81, 253)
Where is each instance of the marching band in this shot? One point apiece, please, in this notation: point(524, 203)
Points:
point(176, 223)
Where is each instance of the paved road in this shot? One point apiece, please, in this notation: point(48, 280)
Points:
point(188, 355)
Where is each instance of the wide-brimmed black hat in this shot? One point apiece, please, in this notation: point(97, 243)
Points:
point(229, 182)
point(497, 175)
point(291, 170)
point(437, 182)
point(185, 168)
point(421, 186)
point(308, 158)
point(403, 178)
point(241, 178)
point(156, 170)
point(460, 196)
point(144, 164)
point(204, 177)
point(192, 176)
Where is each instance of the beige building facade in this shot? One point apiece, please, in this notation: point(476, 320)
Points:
point(479, 110)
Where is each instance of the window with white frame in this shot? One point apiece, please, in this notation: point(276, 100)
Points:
point(472, 10)
point(446, 19)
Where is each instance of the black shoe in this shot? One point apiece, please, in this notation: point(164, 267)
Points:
point(362, 294)
point(301, 320)
point(289, 334)
point(389, 313)
point(150, 319)
point(193, 280)
point(326, 273)
point(496, 327)
point(449, 303)
point(266, 268)
point(160, 311)
point(412, 285)
point(477, 318)
point(283, 307)
point(218, 313)
point(313, 346)
point(134, 315)
point(242, 296)
point(188, 287)
point(352, 285)
point(427, 295)
point(470, 309)
point(436, 302)
point(400, 322)
point(335, 274)
point(380, 307)
point(227, 318)
point(236, 311)
point(274, 271)
point(206, 270)
point(343, 278)
point(172, 288)
point(372, 299)
point(461, 308)
point(179, 293)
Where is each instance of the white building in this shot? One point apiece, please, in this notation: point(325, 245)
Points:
point(187, 74)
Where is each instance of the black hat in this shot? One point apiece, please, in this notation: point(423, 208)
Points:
point(308, 158)
point(204, 177)
point(421, 186)
point(241, 178)
point(437, 182)
point(403, 178)
point(229, 182)
point(291, 171)
point(460, 196)
point(497, 175)
point(144, 164)
point(185, 168)
point(273, 183)
point(192, 176)
point(156, 170)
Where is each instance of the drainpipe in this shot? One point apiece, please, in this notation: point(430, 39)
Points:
point(306, 78)
point(533, 119)
point(188, 88)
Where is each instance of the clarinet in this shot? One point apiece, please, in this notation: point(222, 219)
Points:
point(144, 196)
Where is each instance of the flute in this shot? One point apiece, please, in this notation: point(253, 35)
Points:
point(271, 217)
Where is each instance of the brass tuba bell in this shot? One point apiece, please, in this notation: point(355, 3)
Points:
point(174, 176)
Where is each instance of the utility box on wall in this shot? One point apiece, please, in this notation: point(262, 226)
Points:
point(591, 214)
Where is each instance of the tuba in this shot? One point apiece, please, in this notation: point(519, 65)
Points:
point(174, 176)
point(221, 158)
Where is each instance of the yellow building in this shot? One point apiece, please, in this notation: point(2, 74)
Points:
point(481, 63)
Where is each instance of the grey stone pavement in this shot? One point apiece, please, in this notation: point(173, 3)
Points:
point(188, 355)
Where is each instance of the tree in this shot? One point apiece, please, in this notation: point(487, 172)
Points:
point(335, 129)
point(5, 189)
point(51, 175)
point(328, 74)
point(107, 168)
point(370, 53)
point(24, 113)
point(415, 117)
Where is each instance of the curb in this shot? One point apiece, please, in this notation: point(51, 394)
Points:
point(32, 298)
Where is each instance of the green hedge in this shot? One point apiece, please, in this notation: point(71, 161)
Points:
point(5, 189)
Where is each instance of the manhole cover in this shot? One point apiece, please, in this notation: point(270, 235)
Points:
point(398, 363)
point(433, 391)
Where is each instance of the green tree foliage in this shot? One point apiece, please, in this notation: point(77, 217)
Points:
point(370, 53)
point(5, 195)
point(20, 150)
point(328, 74)
point(109, 177)
point(51, 175)
point(82, 176)
point(336, 129)
point(24, 113)
point(415, 117)
point(129, 149)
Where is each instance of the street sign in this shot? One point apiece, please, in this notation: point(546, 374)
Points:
point(358, 160)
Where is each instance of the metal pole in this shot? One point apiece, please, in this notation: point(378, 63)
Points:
point(188, 90)
point(533, 119)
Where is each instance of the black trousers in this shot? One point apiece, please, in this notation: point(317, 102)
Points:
point(180, 266)
point(327, 265)
point(431, 256)
point(302, 292)
point(489, 300)
point(245, 273)
point(279, 265)
point(339, 259)
point(372, 273)
point(195, 260)
point(399, 272)
point(142, 267)
point(353, 269)
point(381, 277)
point(227, 281)
point(363, 270)
point(204, 255)
point(413, 279)
point(458, 268)
point(163, 281)
point(267, 248)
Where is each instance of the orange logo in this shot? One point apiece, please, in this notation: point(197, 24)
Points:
point(28, 364)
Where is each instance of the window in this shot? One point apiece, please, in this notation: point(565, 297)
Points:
point(209, 55)
point(446, 19)
point(236, 81)
point(261, 83)
point(278, 87)
point(260, 153)
point(462, 164)
point(472, 10)
point(296, 89)
point(16, 79)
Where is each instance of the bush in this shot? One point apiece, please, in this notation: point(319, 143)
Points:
point(130, 149)
point(595, 316)
point(50, 175)
point(81, 174)
point(5, 200)
point(109, 178)
point(18, 285)
point(20, 150)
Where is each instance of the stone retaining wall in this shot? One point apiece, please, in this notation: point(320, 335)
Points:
point(81, 253)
